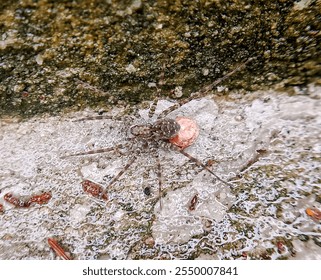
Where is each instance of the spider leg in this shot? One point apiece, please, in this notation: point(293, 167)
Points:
point(205, 90)
point(97, 151)
point(103, 117)
point(121, 172)
point(152, 108)
point(126, 118)
point(86, 85)
point(95, 118)
point(161, 82)
point(92, 88)
point(160, 180)
point(198, 163)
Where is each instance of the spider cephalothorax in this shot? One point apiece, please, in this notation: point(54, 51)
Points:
point(164, 129)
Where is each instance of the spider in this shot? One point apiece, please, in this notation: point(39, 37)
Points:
point(155, 135)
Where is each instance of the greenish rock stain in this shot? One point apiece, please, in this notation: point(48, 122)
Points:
point(120, 47)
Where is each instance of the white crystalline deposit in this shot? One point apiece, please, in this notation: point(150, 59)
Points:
point(238, 136)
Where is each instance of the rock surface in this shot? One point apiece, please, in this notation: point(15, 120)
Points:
point(266, 144)
point(53, 52)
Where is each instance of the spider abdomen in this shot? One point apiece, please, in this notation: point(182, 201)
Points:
point(166, 129)
point(162, 129)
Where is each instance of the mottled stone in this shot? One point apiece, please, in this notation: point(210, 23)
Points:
point(119, 47)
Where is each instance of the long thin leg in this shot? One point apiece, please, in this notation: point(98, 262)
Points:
point(129, 163)
point(102, 117)
point(160, 180)
point(152, 108)
point(205, 90)
point(198, 163)
point(161, 82)
point(99, 91)
point(92, 88)
point(95, 118)
point(98, 151)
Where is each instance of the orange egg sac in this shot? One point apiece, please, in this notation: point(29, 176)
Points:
point(187, 134)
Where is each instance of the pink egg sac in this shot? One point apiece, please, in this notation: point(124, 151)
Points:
point(188, 133)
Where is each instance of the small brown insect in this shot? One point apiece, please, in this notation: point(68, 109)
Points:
point(281, 247)
point(40, 199)
point(210, 162)
point(193, 202)
point(94, 189)
point(1, 208)
point(58, 249)
point(16, 201)
point(314, 213)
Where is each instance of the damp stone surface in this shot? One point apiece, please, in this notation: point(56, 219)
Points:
point(119, 47)
point(266, 144)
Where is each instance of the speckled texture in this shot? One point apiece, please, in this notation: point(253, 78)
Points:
point(266, 144)
point(122, 47)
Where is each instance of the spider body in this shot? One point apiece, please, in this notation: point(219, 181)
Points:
point(163, 129)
